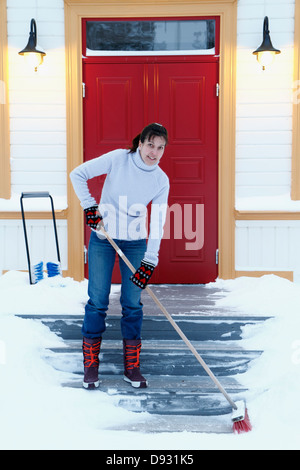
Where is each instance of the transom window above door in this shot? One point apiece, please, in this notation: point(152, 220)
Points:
point(150, 37)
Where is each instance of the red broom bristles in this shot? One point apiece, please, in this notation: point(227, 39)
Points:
point(243, 425)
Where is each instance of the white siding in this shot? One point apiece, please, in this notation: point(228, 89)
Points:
point(37, 99)
point(38, 132)
point(41, 242)
point(264, 139)
point(270, 245)
point(264, 100)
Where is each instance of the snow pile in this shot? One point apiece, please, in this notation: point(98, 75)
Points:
point(38, 413)
point(53, 295)
point(282, 202)
point(32, 204)
point(273, 379)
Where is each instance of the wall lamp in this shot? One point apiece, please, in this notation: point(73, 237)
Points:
point(32, 52)
point(265, 53)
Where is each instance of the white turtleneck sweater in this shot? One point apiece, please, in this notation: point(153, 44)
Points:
point(129, 187)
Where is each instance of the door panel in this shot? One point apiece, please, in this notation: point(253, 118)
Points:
point(113, 113)
point(121, 98)
point(190, 113)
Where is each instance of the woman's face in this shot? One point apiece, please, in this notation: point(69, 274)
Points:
point(152, 150)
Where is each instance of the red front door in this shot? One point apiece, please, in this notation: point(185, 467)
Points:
point(125, 94)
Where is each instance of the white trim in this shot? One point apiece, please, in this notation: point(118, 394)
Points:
point(92, 53)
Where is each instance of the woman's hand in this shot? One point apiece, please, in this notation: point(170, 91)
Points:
point(143, 274)
point(93, 217)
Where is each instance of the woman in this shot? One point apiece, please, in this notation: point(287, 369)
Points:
point(133, 180)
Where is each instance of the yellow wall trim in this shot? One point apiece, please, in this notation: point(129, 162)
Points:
point(266, 215)
point(126, 3)
point(295, 185)
point(289, 275)
point(59, 214)
point(5, 187)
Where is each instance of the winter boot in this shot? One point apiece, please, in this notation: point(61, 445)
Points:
point(132, 374)
point(91, 350)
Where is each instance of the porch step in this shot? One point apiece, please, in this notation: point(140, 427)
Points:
point(158, 358)
point(168, 395)
point(180, 395)
point(156, 327)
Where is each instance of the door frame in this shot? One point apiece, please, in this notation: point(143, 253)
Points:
point(75, 10)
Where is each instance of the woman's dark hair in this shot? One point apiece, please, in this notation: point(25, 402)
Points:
point(152, 130)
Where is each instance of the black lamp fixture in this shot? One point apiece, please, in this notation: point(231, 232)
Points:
point(265, 53)
point(31, 51)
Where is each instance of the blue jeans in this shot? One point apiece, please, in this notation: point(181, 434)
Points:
point(101, 262)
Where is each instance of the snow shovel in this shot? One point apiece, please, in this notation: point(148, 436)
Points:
point(239, 415)
point(36, 271)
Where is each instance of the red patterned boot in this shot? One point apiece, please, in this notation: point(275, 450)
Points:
point(132, 374)
point(91, 350)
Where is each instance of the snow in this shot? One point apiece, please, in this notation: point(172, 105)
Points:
point(282, 202)
point(32, 204)
point(38, 413)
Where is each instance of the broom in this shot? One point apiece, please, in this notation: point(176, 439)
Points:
point(239, 416)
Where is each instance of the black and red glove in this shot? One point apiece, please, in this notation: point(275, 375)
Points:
point(92, 216)
point(143, 274)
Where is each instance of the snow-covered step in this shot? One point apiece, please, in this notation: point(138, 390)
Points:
point(165, 395)
point(195, 327)
point(151, 344)
point(115, 384)
point(163, 361)
point(180, 395)
point(153, 423)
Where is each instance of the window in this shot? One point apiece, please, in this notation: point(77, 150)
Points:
point(145, 37)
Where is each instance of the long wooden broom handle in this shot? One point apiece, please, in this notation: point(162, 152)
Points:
point(173, 323)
